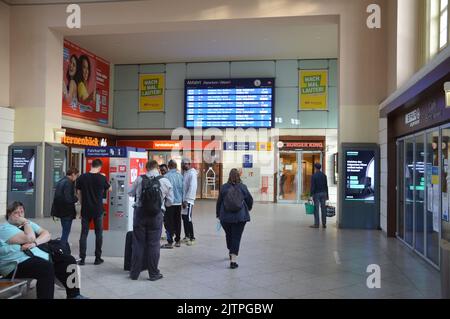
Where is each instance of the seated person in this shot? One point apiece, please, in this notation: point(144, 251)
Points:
point(19, 239)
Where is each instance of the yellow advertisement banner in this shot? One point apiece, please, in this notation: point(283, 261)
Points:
point(313, 90)
point(264, 146)
point(151, 92)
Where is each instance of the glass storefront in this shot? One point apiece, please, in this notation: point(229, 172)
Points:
point(294, 180)
point(422, 191)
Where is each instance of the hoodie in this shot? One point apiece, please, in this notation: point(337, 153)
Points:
point(190, 186)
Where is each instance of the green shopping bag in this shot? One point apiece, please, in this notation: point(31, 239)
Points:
point(309, 208)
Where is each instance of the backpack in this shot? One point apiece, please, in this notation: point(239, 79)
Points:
point(234, 199)
point(151, 198)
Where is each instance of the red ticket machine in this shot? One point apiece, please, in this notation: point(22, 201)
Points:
point(121, 166)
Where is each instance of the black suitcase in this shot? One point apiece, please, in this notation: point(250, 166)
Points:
point(129, 253)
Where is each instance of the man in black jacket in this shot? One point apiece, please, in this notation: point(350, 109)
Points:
point(319, 193)
point(64, 202)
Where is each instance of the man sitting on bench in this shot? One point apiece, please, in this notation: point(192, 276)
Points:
point(19, 238)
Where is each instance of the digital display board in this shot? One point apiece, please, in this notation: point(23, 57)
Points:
point(22, 178)
point(59, 165)
point(360, 175)
point(229, 103)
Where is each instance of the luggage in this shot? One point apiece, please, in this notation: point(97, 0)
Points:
point(129, 252)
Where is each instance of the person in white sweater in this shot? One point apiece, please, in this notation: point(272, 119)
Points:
point(189, 194)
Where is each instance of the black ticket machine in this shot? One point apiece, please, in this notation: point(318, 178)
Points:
point(359, 187)
point(24, 178)
point(55, 168)
point(26, 181)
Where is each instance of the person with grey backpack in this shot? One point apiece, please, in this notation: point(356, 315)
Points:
point(232, 209)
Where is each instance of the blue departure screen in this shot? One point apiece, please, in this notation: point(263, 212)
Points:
point(229, 103)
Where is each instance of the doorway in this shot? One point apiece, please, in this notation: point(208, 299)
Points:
point(418, 192)
point(294, 180)
point(77, 159)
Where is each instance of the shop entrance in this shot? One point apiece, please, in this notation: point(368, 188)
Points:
point(294, 174)
point(77, 159)
point(420, 190)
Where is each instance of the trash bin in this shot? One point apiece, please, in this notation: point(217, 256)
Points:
point(445, 269)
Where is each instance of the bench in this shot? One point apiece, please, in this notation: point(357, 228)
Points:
point(18, 287)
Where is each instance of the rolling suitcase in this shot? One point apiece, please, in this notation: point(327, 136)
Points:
point(129, 252)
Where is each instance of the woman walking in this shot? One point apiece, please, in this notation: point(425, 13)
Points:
point(232, 209)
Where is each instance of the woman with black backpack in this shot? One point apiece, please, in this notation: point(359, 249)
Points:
point(232, 209)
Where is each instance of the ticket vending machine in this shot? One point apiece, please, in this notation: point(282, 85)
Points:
point(55, 169)
point(24, 177)
point(121, 166)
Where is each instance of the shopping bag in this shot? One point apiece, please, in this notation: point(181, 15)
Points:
point(331, 211)
point(309, 208)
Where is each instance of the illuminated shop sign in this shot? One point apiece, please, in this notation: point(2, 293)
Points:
point(301, 145)
point(168, 145)
point(84, 141)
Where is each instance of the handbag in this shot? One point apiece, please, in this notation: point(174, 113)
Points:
point(55, 248)
point(331, 211)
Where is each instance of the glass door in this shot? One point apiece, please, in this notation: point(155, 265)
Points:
point(288, 177)
point(401, 189)
point(445, 182)
point(409, 190)
point(419, 194)
point(432, 218)
point(77, 159)
point(308, 159)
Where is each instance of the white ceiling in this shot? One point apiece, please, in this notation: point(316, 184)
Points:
point(225, 40)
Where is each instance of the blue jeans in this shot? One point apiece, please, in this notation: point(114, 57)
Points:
point(320, 201)
point(66, 224)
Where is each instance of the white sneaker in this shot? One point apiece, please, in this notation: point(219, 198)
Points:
point(191, 242)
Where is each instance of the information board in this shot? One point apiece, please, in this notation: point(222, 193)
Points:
point(360, 175)
point(22, 178)
point(230, 103)
point(59, 164)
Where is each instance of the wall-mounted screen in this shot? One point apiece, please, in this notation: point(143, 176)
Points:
point(59, 164)
point(360, 175)
point(230, 103)
point(22, 177)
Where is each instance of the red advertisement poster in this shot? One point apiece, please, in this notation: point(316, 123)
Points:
point(85, 85)
point(137, 168)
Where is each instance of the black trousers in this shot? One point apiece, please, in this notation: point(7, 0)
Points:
point(172, 223)
point(187, 223)
point(98, 225)
point(233, 234)
point(45, 272)
point(146, 242)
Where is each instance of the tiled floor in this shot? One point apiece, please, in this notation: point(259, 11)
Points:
point(281, 257)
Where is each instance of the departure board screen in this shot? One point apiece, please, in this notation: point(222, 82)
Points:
point(228, 103)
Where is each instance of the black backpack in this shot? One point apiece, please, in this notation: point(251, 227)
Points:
point(151, 200)
point(234, 199)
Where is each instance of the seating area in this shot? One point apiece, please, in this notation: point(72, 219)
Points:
point(12, 288)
